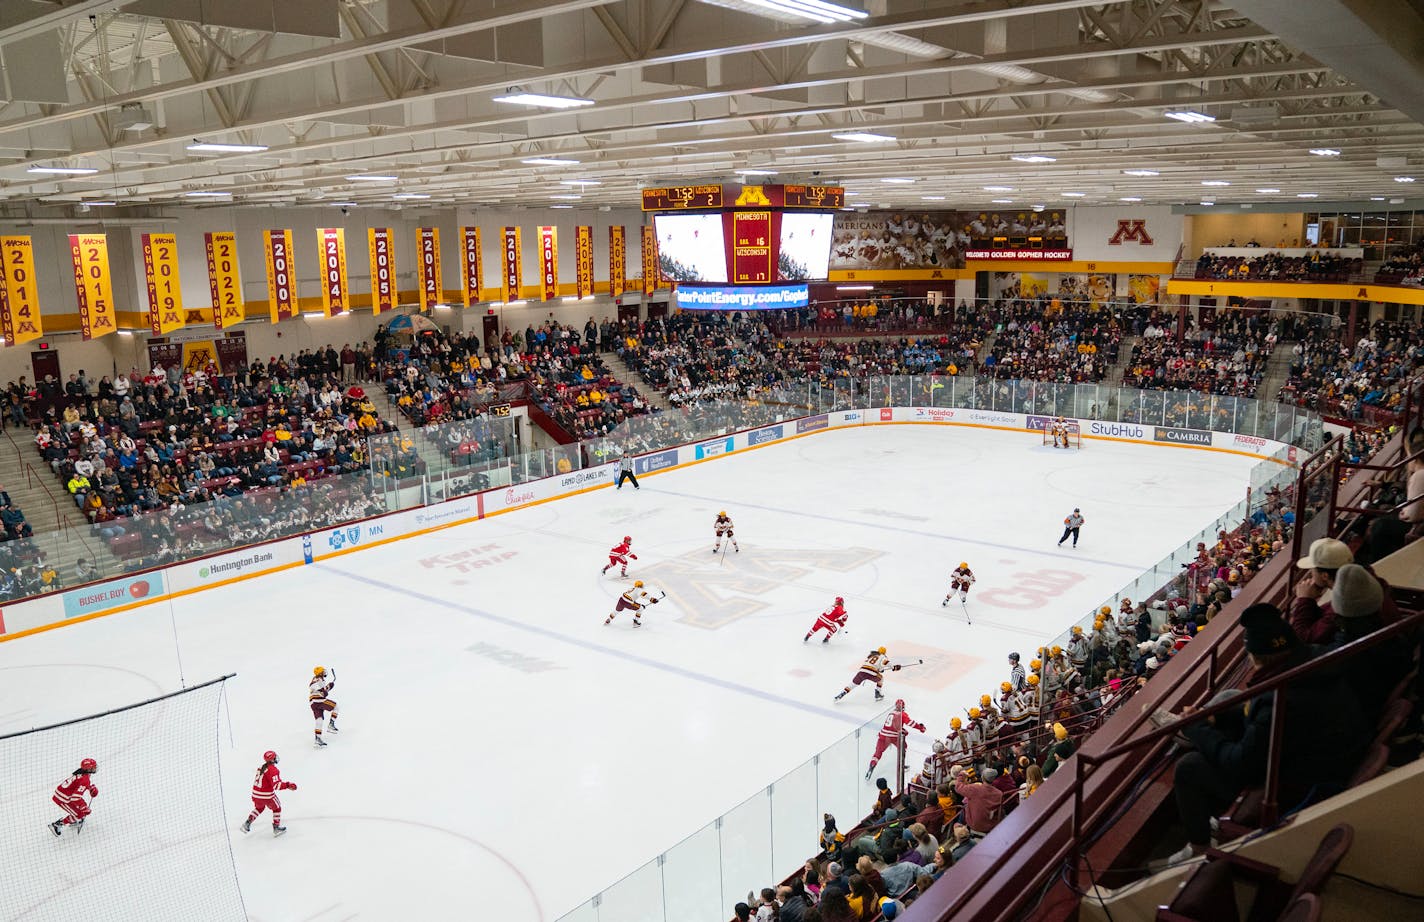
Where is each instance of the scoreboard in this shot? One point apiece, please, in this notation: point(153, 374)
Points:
point(680, 198)
point(688, 198)
point(751, 248)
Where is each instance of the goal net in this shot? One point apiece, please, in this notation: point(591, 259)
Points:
point(1074, 436)
point(156, 845)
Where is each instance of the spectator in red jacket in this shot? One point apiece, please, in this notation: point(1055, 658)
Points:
point(981, 802)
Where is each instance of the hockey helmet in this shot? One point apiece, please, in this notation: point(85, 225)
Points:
point(1033, 680)
point(1106, 610)
point(1099, 624)
point(1013, 657)
point(319, 670)
point(1035, 665)
point(985, 700)
point(955, 723)
point(1057, 651)
point(269, 756)
point(880, 650)
point(88, 765)
point(899, 704)
point(963, 565)
point(975, 713)
point(1077, 629)
point(722, 513)
point(841, 601)
point(1006, 687)
point(637, 584)
point(938, 746)
point(627, 539)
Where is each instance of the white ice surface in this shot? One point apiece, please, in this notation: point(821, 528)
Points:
point(502, 750)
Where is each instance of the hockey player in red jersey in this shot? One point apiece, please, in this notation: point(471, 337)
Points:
point(893, 733)
point(264, 793)
point(70, 797)
point(318, 691)
point(831, 620)
point(620, 555)
point(959, 581)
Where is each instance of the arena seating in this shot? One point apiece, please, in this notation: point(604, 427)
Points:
point(1278, 267)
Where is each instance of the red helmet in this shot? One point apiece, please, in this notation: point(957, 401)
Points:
point(269, 756)
point(88, 765)
point(899, 704)
point(627, 540)
point(840, 601)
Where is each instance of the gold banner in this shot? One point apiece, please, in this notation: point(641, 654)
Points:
point(281, 274)
point(224, 281)
point(335, 290)
point(472, 267)
point(617, 261)
point(548, 262)
point(427, 266)
point(93, 285)
point(650, 261)
point(583, 246)
point(512, 277)
point(381, 241)
point(19, 296)
point(160, 274)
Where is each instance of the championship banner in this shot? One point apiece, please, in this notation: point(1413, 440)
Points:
point(617, 261)
point(650, 261)
point(427, 266)
point(160, 273)
point(19, 300)
point(548, 262)
point(583, 247)
point(335, 290)
point(383, 269)
point(512, 276)
point(93, 285)
point(471, 264)
point(281, 274)
point(224, 282)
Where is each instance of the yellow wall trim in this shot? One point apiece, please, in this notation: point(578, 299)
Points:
point(1339, 291)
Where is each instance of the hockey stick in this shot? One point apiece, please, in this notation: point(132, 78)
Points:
point(918, 662)
point(967, 620)
point(722, 554)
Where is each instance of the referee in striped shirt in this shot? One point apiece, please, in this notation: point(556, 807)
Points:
point(1016, 673)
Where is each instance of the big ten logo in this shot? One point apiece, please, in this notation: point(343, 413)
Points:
point(714, 598)
point(940, 669)
point(470, 559)
point(1033, 589)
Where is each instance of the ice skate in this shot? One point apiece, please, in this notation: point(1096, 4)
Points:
point(826, 639)
point(637, 623)
point(319, 741)
point(246, 825)
point(840, 696)
point(624, 573)
point(57, 827)
point(878, 695)
point(806, 638)
point(278, 830)
point(331, 726)
point(868, 771)
point(78, 826)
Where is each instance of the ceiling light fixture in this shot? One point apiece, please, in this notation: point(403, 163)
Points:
point(865, 137)
point(580, 182)
point(543, 101)
point(897, 181)
point(1206, 203)
point(212, 147)
point(63, 170)
point(1190, 116)
point(1001, 201)
point(755, 172)
point(550, 161)
point(406, 196)
point(1404, 179)
point(372, 177)
point(94, 204)
point(932, 198)
point(1130, 198)
point(1307, 195)
point(342, 204)
point(1140, 173)
point(1215, 182)
point(1376, 198)
point(1033, 158)
point(208, 194)
point(814, 10)
point(1325, 152)
point(1268, 191)
point(1072, 194)
point(998, 189)
point(569, 197)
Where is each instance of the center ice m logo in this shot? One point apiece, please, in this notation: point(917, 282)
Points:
point(712, 597)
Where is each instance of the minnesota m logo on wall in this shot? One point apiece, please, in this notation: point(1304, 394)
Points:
point(1130, 229)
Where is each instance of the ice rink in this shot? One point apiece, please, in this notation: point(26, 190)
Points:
point(504, 753)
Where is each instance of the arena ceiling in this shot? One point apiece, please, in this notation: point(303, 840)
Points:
point(945, 94)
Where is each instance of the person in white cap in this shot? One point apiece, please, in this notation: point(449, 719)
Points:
point(1311, 616)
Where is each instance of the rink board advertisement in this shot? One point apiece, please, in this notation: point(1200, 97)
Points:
point(181, 579)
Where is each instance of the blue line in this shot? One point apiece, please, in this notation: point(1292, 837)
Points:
point(599, 648)
point(908, 531)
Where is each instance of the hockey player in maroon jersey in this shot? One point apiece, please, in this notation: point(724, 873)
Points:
point(70, 797)
point(318, 691)
point(872, 670)
point(634, 600)
point(960, 579)
point(619, 556)
point(893, 732)
point(831, 620)
point(264, 793)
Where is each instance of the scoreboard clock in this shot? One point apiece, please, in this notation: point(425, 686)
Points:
point(680, 198)
point(813, 196)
